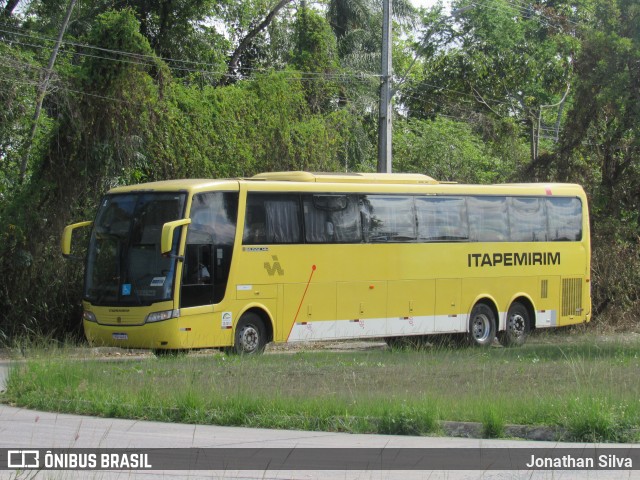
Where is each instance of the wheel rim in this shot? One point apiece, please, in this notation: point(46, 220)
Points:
point(516, 325)
point(481, 327)
point(250, 339)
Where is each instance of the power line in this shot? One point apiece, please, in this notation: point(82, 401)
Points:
point(42, 89)
point(295, 73)
point(152, 59)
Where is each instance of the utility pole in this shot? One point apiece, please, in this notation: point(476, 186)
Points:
point(42, 90)
point(385, 134)
point(385, 120)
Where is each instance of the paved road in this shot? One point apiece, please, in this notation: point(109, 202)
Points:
point(21, 428)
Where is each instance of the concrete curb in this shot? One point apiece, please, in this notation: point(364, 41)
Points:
point(525, 432)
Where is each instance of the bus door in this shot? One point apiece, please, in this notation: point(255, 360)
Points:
point(209, 248)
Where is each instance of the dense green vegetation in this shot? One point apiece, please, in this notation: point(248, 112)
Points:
point(502, 91)
point(584, 388)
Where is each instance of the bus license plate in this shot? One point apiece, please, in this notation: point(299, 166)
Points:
point(120, 336)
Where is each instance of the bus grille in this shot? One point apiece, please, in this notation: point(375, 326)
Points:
point(544, 289)
point(571, 296)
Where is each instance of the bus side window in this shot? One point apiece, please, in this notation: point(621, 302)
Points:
point(272, 219)
point(283, 219)
point(317, 226)
point(392, 218)
point(565, 219)
point(488, 219)
point(255, 231)
point(442, 218)
point(332, 218)
point(527, 220)
point(347, 222)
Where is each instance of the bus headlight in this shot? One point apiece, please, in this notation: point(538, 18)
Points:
point(89, 316)
point(161, 316)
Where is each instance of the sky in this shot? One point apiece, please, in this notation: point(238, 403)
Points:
point(425, 3)
point(429, 3)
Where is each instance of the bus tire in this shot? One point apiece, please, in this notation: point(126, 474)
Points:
point(482, 326)
point(250, 337)
point(518, 326)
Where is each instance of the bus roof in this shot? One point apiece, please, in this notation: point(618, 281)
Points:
point(370, 178)
point(184, 184)
point(361, 182)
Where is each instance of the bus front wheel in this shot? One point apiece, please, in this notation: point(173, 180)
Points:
point(517, 328)
point(482, 326)
point(251, 336)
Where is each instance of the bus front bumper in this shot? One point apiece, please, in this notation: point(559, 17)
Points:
point(157, 335)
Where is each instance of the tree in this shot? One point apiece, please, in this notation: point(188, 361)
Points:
point(446, 150)
point(500, 58)
point(175, 29)
point(316, 56)
point(243, 46)
point(18, 77)
point(603, 123)
point(9, 7)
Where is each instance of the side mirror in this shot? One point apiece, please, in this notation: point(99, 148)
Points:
point(67, 233)
point(166, 240)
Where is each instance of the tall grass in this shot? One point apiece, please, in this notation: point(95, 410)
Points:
point(589, 388)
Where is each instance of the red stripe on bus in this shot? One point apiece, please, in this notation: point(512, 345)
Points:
point(313, 269)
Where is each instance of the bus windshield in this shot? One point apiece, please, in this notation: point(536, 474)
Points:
point(124, 265)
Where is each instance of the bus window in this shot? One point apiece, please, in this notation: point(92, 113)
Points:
point(272, 219)
point(527, 220)
point(332, 219)
point(124, 264)
point(488, 221)
point(392, 218)
point(565, 218)
point(317, 223)
point(347, 222)
point(442, 218)
point(209, 247)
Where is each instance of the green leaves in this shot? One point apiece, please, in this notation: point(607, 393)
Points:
point(446, 150)
point(114, 32)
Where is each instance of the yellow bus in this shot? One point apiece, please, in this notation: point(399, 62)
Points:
point(298, 256)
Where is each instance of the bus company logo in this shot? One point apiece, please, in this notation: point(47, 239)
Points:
point(274, 268)
point(23, 459)
point(513, 259)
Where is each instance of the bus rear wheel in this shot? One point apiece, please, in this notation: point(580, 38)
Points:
point(517, 328)
point(251, 337)
point(482, 326)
